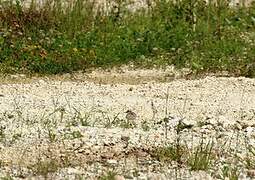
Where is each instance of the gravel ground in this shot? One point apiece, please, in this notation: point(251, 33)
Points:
point(75, 125)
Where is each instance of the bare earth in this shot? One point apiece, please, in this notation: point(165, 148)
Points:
point(77, 122)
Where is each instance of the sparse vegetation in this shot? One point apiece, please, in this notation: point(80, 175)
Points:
point(110, 175)
point(145, 126)
point(48, 163)
point(52, 135)
point(170, 153)
point(230, 172)
point(54, 37)
point(202, 157)
point(8, 177)
point(44, 167)
point(250, 157)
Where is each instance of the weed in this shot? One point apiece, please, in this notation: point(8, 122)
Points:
point(44, 167)
point(230, 172)
point(73, 135)
point(250, 157)
point(202, 158)
point(110, 175)
point(126, 124)
point(16, 137)
point(145, 126)
point(52, 135)
point(118, 122)
point(8, 177)
point(76, 134)
point(169, 153)
point(83, 119)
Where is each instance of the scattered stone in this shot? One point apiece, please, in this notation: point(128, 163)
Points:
point(88, 136)
point(112, 162)
point(119, 177)
point(226, 123)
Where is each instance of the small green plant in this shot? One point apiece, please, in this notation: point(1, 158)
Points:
point(8, 177)
point(117, 122)
point(16, 137)
point(229, 172)
point(111, 122)
point(250, 157)
point(82, 119)
point(201, 158)
point(76, 134)
point(145, 126)
point(52, 135)
point(73, 135)
point(169, 153)
point(250, 162)
point(44, 167)
point(110, 175)
point(127, 124)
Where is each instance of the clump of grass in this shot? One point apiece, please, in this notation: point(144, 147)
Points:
point(51, 163)
point(44, 167)
point(110, 175)
point(117, 122)
point(52, 135)
point(7, 177)
point(73, 135)
point(81, 119)
point(145, 125)
point(202, 158)
point(229, 172)
point(122, 123)
point(170, 153)
point(16, 137)
point(250, 157)
point(57, 38)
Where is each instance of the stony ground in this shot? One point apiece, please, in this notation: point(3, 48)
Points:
point(74, 126)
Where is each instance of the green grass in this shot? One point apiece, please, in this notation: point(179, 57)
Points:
point(57, 39)
point(110, 175)
point(202, 157)
point(45, 167)
point(230, 173)
point(169, 153)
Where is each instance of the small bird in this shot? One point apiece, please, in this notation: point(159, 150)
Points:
point(130, 116)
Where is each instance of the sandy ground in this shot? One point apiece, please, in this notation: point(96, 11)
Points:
point(30, 107)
